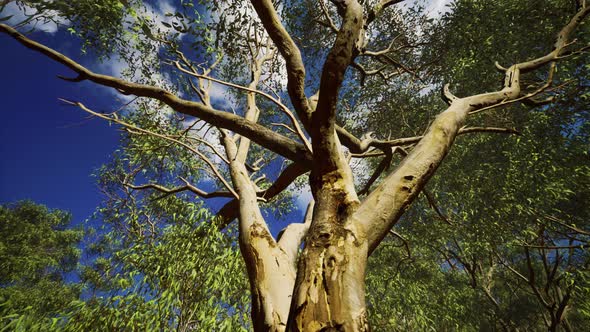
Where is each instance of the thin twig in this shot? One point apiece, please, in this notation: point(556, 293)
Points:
point(131, 128)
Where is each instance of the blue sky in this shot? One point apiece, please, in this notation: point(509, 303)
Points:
point(49, 150)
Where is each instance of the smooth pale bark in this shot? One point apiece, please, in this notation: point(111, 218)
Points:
point(290, 52)
point(272, 277)
point(271, 270)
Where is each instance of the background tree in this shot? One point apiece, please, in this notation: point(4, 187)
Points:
point(257, 49)
point(37, 251)
point(510, 235)
point(164, 282)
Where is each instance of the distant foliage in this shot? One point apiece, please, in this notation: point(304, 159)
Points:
point(190, 278)
point(37, 248)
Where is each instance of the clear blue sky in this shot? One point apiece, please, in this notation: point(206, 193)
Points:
point(49, 150)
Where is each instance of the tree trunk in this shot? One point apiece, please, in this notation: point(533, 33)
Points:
point(272, 277)
point(330, 294)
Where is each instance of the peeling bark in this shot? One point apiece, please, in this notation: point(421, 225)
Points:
point(330, 292)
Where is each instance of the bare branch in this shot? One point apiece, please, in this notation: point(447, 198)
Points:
point(330, 24)
point(509, 267)
point(447, 96)
point(580, 246)
point(532, 278)
point(229, 211)
point(383, 165)
point(384, 145)
point(252, 112)
point(210, 146)
point(563, 223)
point(134, 129)
point(258, 133)
point(364, 72)
point(526, 98)
point(404, 241)
point(406, 245)
point(397, 64)
point(178, 189)
point(290, 52)
point(383, 51)
point(291, 237)
point(284, 126)
point(434, 206)
point(382, 5)
point(282, 106)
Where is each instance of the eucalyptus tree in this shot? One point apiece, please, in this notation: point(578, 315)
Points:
point(321, 54)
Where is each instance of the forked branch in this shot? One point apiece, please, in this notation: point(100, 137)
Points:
point(282, 106)
point(290, 52)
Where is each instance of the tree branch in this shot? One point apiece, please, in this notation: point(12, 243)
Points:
point(257, 133)
point(331, 178)
point(229, 211)
point(339, 58)
point(563, 223)
point(282, 106)
point(369, 142)
point(330, 23)
point(532, 278)
point(382, 5)
point(385, 205)
point(290, 52)
point(135, 130)
point(290, 238)
point(178, 189)
point(433, 205)
point(383, 165)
